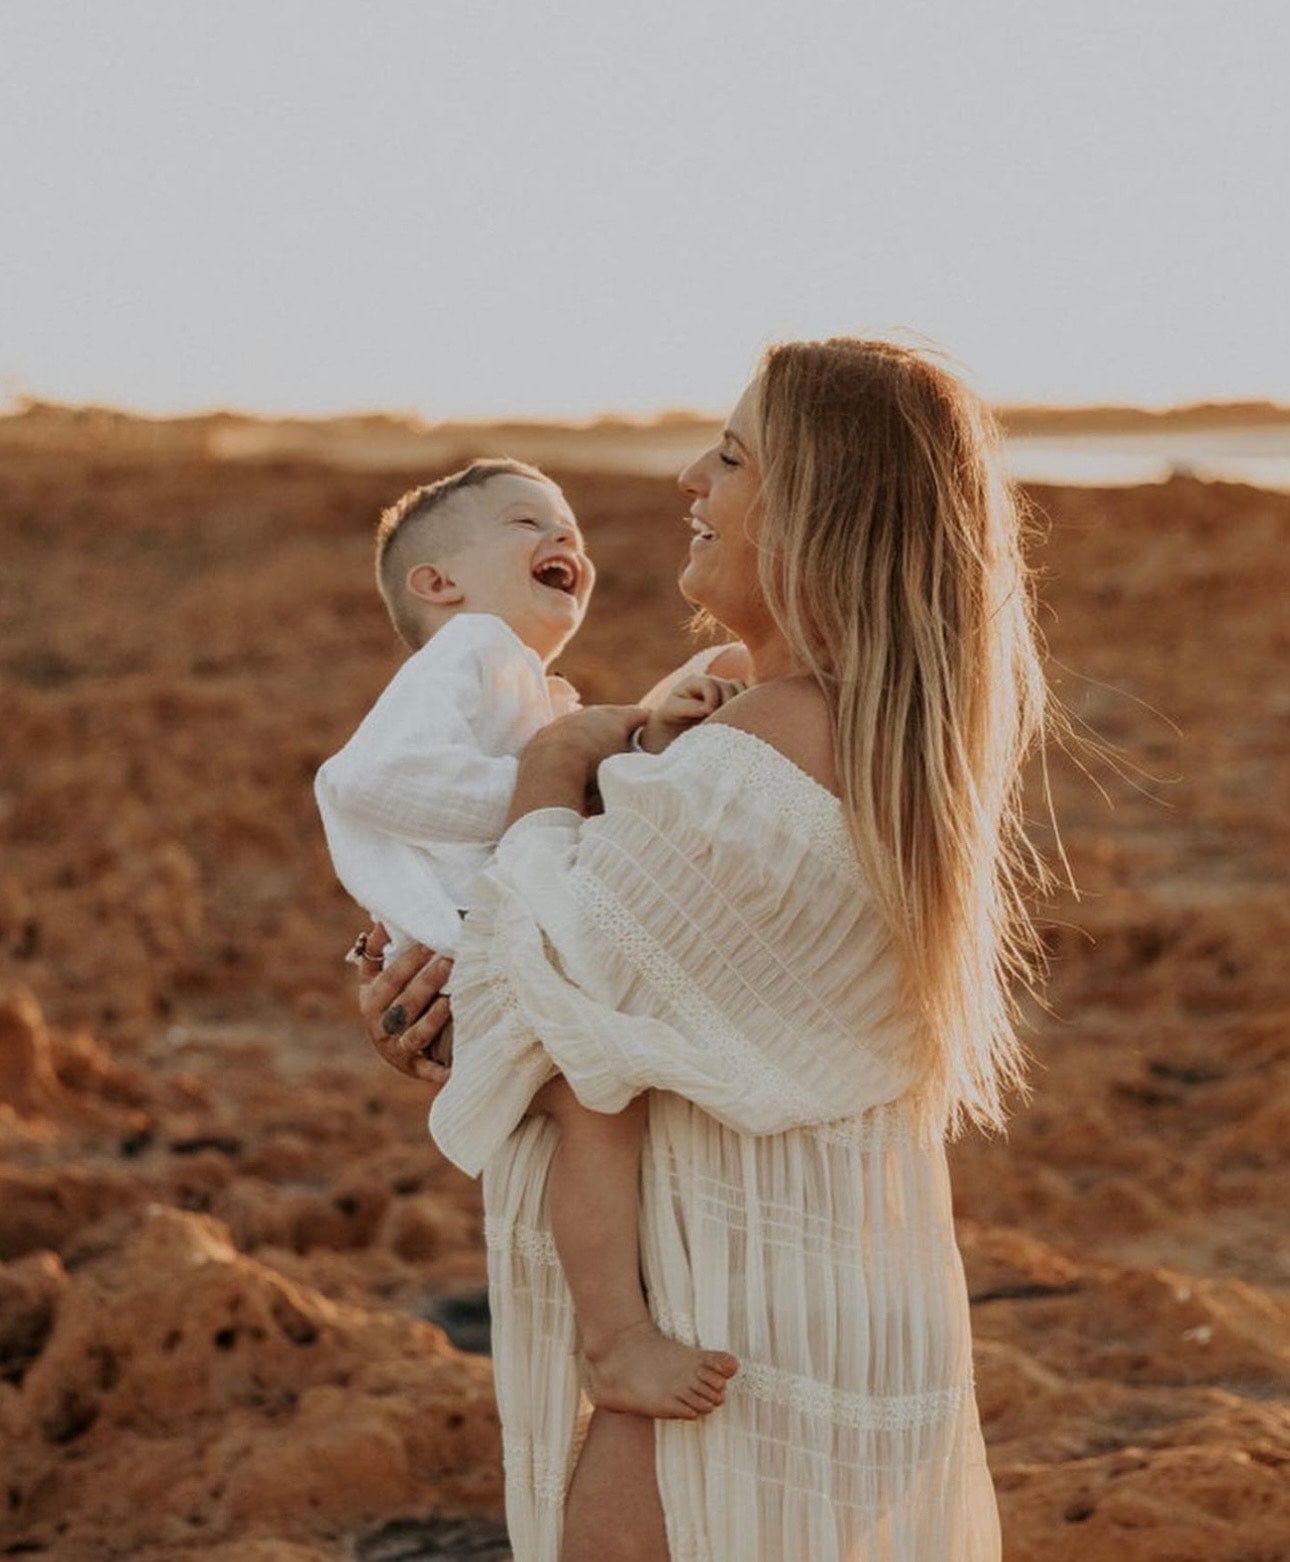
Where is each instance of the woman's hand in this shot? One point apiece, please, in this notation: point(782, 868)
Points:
point(589, 735)
point(560, 761)
point(404, 1017)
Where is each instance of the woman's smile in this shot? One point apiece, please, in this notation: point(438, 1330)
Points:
point(703, 533)
point(723, 486)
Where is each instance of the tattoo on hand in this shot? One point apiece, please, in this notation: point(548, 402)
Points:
point(395, 1020)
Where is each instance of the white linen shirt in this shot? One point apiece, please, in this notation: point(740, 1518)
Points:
point(414, 803)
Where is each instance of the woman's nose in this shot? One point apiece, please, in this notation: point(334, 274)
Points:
point(693, 482)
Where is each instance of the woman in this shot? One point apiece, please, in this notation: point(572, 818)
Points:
point(795, 930)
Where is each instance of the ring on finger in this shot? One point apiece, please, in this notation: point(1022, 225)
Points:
point(395, 1020)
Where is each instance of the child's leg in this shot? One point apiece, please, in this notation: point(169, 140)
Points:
point(592, 1195)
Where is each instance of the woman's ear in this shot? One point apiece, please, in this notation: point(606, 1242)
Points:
point(431, 584)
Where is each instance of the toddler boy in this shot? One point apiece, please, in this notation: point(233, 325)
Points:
point(486, 578)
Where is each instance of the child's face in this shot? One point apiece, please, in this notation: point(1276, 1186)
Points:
point(523, 559)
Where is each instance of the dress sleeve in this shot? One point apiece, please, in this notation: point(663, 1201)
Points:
point(690, 939)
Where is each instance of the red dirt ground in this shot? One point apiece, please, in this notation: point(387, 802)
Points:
point(222, 1227)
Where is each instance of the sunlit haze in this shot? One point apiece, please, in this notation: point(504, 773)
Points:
point(469, 209)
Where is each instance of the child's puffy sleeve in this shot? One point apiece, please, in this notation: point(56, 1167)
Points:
point(706, 935)
point(416, 768)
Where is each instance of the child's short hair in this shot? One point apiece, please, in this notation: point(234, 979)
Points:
point(419, 525)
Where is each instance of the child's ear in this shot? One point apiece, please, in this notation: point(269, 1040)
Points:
point(431, 584)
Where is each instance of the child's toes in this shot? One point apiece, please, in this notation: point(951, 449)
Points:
point(713, 1378)
point(708, 1391)
point(696, 1402)
point(722, 1362)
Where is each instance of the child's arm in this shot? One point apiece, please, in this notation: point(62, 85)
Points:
point(691, 701)
point(722, 661)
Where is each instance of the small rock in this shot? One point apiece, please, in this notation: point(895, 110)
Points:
point(463, 1316)
point(441, 1539)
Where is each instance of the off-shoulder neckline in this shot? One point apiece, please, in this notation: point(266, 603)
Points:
point(766, 747)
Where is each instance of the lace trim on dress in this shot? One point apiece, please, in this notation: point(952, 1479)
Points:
point(671, 982)
point(545, 1471)
point(860, 1412)
point(841, 1407)
point(786, 787)
point(880, 1125)
point(513, 1236)
point(676, 1325)
point(880, 1128)
point(688, 1546)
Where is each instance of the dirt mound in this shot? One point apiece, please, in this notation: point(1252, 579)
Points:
point(226, 1244)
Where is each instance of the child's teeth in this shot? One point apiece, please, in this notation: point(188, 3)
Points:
point(556, 572)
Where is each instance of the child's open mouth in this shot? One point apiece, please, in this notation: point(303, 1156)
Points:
point(558, 574)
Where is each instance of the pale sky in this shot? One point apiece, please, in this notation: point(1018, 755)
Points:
point(480, 207)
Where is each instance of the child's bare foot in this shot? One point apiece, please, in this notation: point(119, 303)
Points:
point(642, 1371)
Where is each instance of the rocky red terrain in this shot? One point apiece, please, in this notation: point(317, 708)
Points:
point(226, 1242)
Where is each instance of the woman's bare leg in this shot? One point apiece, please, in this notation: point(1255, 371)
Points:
point(612, 1512)
point(593, 1197)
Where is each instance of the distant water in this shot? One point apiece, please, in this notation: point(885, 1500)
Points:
point(1253, 453)
point(1259, 455)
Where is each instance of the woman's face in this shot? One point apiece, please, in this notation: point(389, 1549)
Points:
point(723, 486)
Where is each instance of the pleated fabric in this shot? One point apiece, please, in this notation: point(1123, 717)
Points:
point(709, 939)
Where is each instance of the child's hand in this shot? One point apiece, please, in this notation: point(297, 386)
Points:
point(693, 700)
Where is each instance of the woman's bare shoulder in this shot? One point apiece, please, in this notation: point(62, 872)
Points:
point(731, 661)
point(792, 715)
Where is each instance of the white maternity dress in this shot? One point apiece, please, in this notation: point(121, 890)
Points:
point(708, 938)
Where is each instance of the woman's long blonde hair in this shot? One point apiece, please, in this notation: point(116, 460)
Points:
point(892, 562)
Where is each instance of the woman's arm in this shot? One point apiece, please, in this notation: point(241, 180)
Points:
point(549, 777)
point(561, 760)
point(700, 937)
